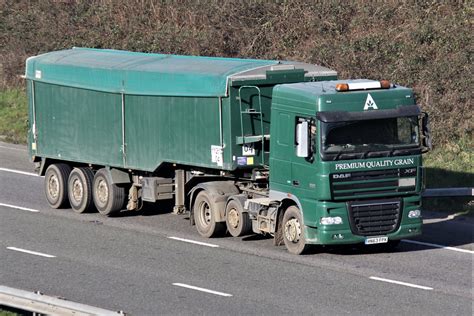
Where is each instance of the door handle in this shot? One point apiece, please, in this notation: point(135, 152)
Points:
point(296, 182)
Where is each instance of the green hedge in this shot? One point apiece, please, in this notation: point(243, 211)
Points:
point(427, 45)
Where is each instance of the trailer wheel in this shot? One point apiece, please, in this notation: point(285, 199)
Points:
point(80, 189)
point(55, 184)
point(108, 197)
point(204, 217)
point(293, 231)
point(237, 221)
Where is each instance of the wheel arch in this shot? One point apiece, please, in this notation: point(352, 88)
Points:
point(45, 163)
point(117, 176)
point(285, 204)
point(219, 192)
point(286, 200)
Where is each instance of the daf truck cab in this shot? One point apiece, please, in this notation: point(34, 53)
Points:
point(346, 162)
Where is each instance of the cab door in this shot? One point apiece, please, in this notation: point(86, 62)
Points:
point(303, 173)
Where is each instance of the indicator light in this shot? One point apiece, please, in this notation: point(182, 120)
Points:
point(414, 214)
point(338, 236)
point(331, 220)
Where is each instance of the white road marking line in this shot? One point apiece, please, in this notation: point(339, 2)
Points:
point(31, 252)
point(447, 218)
point(195, 242)
point(402, 283)
point(19, 172)
point(202, 289)
point(19, 207)
point(12, 148)
point(437, 246)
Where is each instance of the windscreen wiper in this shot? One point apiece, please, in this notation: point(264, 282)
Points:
point(408, 151)
point(371, 153)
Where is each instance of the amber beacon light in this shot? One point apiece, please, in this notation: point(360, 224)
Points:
point(366, 85)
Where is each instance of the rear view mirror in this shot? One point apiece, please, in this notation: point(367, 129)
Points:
point(426, 132)
point(302, 140)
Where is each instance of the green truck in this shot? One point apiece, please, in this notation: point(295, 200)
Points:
point(243, 146)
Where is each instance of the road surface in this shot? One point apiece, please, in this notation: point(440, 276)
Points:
point(155, 263)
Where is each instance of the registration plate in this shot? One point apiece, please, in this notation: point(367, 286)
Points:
point(376, 240)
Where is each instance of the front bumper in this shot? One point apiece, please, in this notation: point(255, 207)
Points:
point(315, 233)
point(319, 236)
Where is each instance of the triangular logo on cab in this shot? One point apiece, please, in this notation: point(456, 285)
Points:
point(370, 103)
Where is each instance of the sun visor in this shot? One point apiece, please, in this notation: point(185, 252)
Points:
point(341, 116)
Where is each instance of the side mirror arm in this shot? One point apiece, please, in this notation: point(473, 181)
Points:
point(426, 133)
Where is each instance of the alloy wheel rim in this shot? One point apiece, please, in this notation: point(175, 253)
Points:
point(233, 218)
point(205, 214)
point(293, 230)
point(102, 191)
point(77, 190)
point(53, 186)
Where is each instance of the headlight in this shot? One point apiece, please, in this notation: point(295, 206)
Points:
point(331, 220)
point(414, 214)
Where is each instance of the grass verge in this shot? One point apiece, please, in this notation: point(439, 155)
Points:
point(451, 165)
point(13, 116)
point(5, 311)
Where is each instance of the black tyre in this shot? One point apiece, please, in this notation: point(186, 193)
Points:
point(204, 217)
point(293, 231)
point(237, 221)
point(55, 184)
point(80, 189)
point(108, 197)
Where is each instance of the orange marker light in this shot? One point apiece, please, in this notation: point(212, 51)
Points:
point(384, 84)
point(342, 87)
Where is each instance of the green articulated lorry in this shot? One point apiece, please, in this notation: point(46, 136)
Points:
point(243, 146)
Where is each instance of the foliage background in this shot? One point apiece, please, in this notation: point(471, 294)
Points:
point(426, 45)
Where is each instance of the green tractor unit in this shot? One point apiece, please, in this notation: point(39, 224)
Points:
point(244, 146)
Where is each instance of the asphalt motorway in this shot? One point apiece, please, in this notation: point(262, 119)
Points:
point(155, 263)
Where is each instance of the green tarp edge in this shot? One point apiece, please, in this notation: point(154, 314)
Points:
point(125, 72)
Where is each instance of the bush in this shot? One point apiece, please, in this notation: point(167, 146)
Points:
point(426, 45)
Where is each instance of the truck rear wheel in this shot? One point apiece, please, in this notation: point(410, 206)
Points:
point(55, 184)
point(80, 189)
point(204, 216)
point(108, 197)
point(293, 231)
point(237, 221)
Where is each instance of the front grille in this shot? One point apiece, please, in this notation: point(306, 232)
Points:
point(366, 184)
point(377, 217)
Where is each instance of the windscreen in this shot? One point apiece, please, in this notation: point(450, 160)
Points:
point(385, 136)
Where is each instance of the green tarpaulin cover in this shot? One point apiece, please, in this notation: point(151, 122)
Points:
point(139, 73)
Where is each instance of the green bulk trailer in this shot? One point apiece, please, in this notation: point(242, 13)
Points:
point(243, 145)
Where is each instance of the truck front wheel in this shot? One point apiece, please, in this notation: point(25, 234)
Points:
point(55, 184)
point(293, 231)
point(108, 197)
point(204, 216)
point(80, 189)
